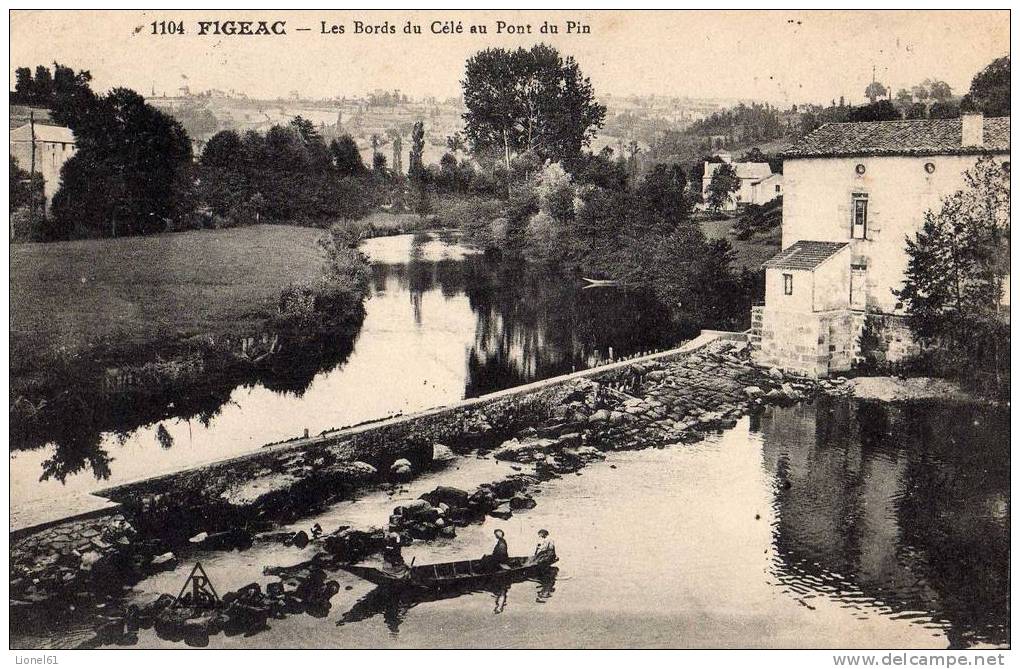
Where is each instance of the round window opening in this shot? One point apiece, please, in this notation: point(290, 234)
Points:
point(859, 169)
point(929, 167)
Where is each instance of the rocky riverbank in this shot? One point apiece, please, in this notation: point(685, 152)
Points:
point(82, 569)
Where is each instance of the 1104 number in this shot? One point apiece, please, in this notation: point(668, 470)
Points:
point(167, 27)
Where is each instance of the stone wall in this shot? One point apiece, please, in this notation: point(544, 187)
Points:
point(819, 344)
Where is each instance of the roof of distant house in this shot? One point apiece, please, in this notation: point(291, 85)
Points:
point(922, 137)
point(804, 255)
point(743, 170)
point(43, 133)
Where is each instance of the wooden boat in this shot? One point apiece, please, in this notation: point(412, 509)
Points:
point(444, 574)
point(592, 283)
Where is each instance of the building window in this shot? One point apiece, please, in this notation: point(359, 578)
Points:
point(859, 214)
point(787, 284)
point(779, 188)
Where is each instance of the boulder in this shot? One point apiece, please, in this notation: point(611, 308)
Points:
point(521, 501)
point(775, 373)
point(261, 491)
point(753, 392)
point(401, 469)
point(600, 416)
point(164, 562)
point(448, 495)
point(503, 512)
point(442, 453)
point(418, 509)
point(514, 450)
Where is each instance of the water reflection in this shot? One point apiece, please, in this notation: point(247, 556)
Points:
point(444, 322)
point(901, 510)
point(395, 604)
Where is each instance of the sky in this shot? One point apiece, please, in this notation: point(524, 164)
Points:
point(776, 56)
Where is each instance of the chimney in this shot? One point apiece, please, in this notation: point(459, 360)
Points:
point(973, 129)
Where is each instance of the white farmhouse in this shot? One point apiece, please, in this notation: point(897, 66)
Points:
point(853, 193)
point(749, 175)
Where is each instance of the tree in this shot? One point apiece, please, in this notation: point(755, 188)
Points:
point(904, 97)
point(398, 157)
point(345, 156)
point(915, 111)
point(662, 196)
point(958, 265)
point(416, 166)
point(21, 187)
point(940, 90)
point(379, 164)
point(43, 85)
point(529, 101)
point(24, 86)
point(222, 150)
point(883, 110)
point(127, 172)
point(944, 110)
point(724, 181)
point(990, 89)
point(874, 91)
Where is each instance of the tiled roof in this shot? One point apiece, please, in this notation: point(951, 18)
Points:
point(743, 170)
point(923, 137)
point(43, 133)
point(804, 255)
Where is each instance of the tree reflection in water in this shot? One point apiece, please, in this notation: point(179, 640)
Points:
point(903, 508)
point(395, 604)
point(531, 322)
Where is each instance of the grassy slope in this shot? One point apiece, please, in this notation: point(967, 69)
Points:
point(143, 289)
point(750, 253)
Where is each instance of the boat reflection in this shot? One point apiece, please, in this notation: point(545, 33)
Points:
point(395, 603)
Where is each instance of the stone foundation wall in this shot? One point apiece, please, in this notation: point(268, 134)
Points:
point(818, 344)
point(794, 342)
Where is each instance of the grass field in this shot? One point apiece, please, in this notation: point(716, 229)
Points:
point(144, 289)
point(750, 253)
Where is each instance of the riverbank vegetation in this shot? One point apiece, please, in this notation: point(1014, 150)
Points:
point(957, 282)
point(110, 334)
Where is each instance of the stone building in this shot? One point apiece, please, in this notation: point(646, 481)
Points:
point(54, 145)
point(853, 193)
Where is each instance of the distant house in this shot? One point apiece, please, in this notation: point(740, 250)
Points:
point(853, 193)
point(767, 189)
point(749, 175)
point(53, 146)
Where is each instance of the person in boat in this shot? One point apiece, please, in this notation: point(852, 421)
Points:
point(391, 550)
point(500, 552)
point(545, 551)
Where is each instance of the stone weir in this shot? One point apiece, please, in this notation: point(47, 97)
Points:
point(671, 397)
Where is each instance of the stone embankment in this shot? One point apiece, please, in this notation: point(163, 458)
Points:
point(84, 566)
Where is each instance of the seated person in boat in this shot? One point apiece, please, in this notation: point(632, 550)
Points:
point(545, 551)
point(500, 553)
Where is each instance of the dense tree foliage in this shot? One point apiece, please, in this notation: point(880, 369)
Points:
point(957, 272)
point(990, 89)
point(286, 175)
point(129, 174)
point(529, 100)
point(721, 186)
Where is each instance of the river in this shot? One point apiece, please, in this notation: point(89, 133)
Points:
point(833, 524)
point(443, 322)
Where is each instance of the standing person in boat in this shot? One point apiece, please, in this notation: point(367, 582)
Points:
point(391, 550)
point(545, 551)
point(500, 552)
